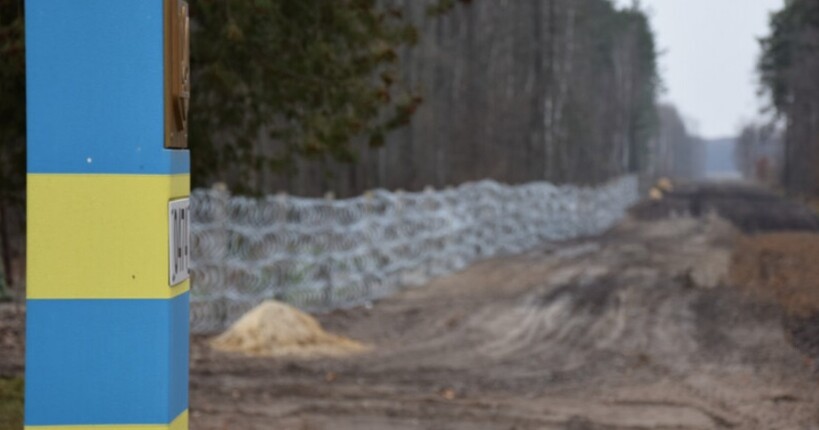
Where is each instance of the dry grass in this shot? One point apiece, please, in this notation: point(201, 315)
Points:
point(782, 267)
point(11, 404)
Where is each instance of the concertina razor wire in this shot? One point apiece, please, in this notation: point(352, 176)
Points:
point(320, 254)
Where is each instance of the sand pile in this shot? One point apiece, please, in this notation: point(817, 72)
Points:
point(274, 329)
point(782, 267)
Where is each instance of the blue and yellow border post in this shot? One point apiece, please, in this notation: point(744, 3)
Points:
point(107, 335)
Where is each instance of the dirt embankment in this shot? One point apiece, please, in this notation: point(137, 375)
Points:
point(783, 267)
point(776, 259)
point(749, 208)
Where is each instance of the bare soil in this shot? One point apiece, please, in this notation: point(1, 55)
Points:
point(780, 266)
point(637, 329)
point(640, 328)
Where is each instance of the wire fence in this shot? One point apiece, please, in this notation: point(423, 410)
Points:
point(322, 254)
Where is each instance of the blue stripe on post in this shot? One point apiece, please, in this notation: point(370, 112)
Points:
point(96, 362)
point(95, 88)
point(179, 358)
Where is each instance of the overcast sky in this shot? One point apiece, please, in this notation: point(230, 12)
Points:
point(709, 53)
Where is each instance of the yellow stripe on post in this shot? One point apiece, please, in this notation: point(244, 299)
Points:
point(180, 423)
point(112, 232)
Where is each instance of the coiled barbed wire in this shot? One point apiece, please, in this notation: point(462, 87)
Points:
point(322, 254)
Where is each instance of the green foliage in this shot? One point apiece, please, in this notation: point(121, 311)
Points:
point(12, 103)
point(776, 57)
point(788, 42)
point(788, 70)
point(273, 81)
point(11, 404)
point(278, 80)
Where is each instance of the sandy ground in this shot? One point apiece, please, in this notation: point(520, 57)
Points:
point(640, 328)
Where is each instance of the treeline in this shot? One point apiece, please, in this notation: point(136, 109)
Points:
point(789, 71)
point(760, 152)
point(344, 96)
point(558, 90)
point(677, 153)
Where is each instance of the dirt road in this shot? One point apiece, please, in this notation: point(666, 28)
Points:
point(635, 329)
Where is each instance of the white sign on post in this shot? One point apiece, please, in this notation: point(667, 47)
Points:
point(179, 222)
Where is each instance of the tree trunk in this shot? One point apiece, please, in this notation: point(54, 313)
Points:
point(5, 244)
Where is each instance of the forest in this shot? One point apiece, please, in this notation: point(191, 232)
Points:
point(558, 90)
point(788, 70)
point(313, 97)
